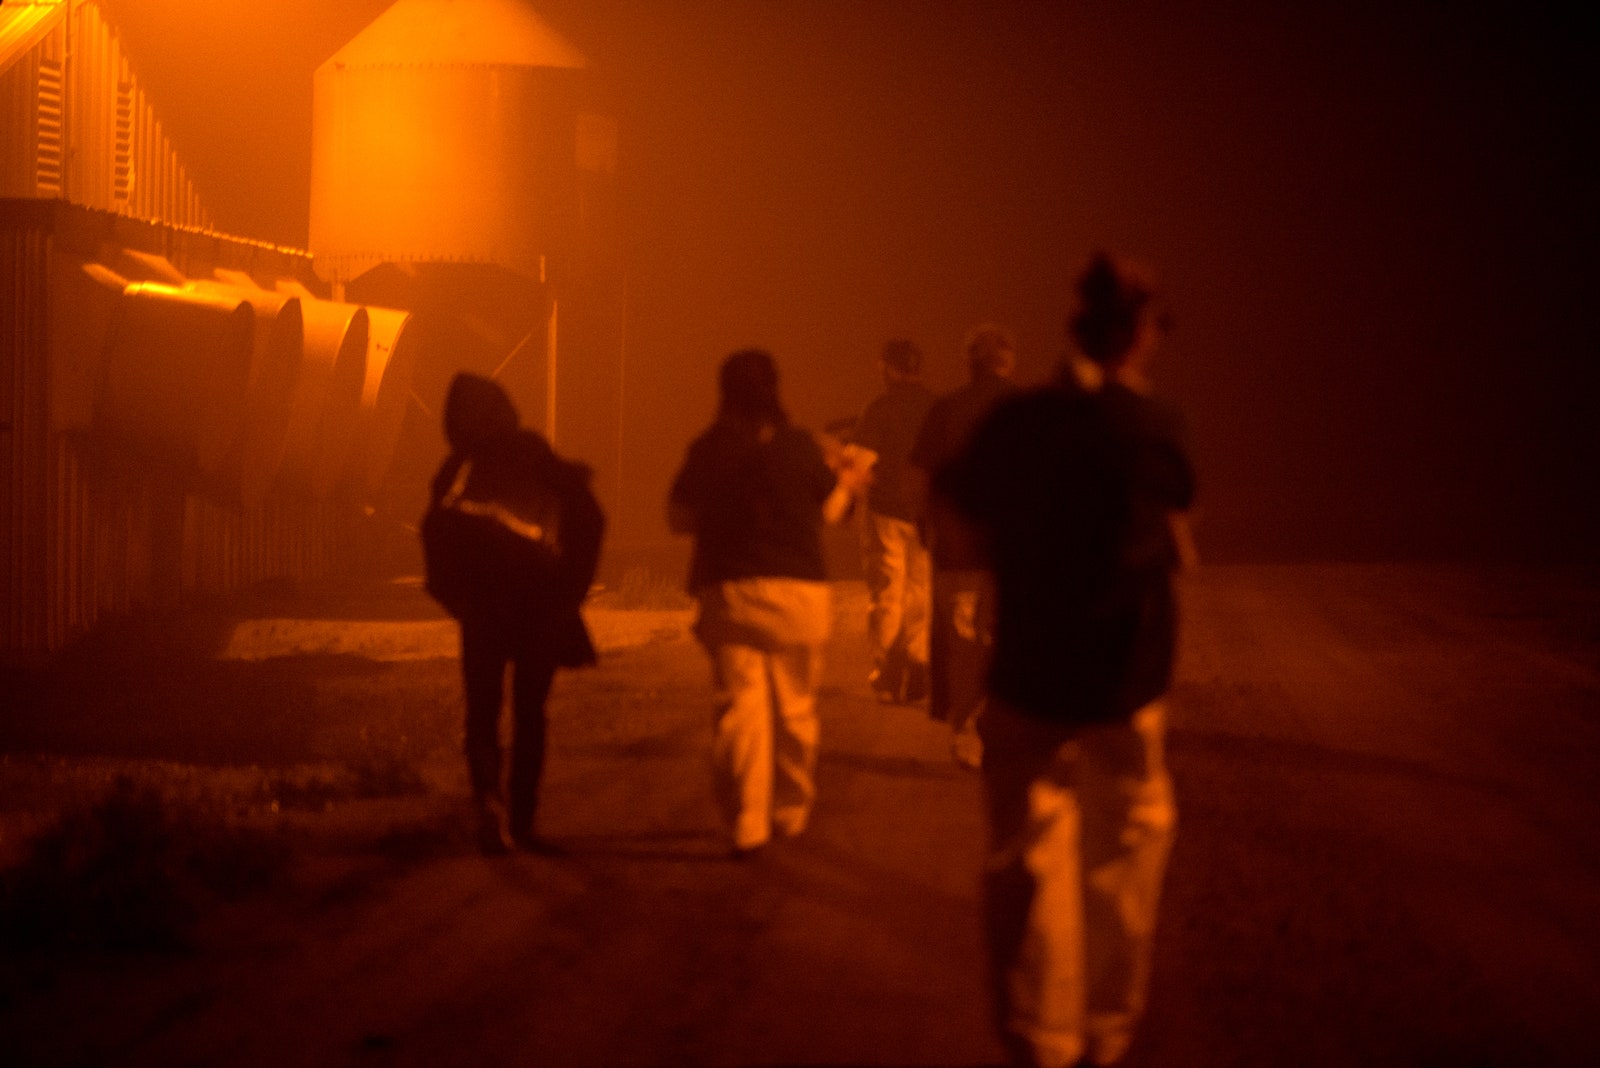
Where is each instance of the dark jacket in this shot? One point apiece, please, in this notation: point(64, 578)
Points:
point(944, 433)
point(756, 492)
point(1073, 492)
point(511, 538)
point(889, 427)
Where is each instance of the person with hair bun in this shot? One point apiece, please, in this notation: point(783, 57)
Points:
point(1074, 490)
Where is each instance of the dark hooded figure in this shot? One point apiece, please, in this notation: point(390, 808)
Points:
point(511, 540)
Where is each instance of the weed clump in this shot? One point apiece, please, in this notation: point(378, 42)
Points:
point(132, 872)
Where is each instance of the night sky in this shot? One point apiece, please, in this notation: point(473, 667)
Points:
point(1374, 223)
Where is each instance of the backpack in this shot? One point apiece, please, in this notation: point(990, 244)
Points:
point(492, 556)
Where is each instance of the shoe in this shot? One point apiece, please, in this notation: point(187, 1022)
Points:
point(888, 678)
point(749, 852)
point(790, 824)
point(917, 678)
point(493, 837)
point(1108, 1049)
point(966, 747)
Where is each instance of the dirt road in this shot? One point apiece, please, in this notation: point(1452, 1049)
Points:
point(1387, 851)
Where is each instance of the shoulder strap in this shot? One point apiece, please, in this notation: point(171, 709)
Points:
point(458, 487)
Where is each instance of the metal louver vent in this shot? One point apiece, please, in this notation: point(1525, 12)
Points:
point(122, 176)
point(50, 158)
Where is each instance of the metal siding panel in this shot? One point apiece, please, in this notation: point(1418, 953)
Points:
point(18, 155)
point(49, 122)
point(11, 342)
point(147, 156)
point(24, 408)
point(91, 141)
point(77, 118)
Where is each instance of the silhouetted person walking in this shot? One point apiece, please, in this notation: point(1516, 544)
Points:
point(752, 490)
point(893, 555)
point(1075, 491)
point(511, 540)
point(961, 612)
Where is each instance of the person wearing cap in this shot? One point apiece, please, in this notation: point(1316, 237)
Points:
point(754, 491)
point(961, 610)
point(1076, 490)
point(511, 540)
point(893, 556)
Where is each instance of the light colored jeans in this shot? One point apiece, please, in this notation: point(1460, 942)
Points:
point(765, 639)
point(961, 643)
point(897, 573)
point(1081, 823)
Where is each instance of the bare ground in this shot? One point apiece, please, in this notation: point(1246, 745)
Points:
point(1387, 852)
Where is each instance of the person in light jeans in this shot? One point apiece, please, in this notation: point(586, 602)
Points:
point(894, 559)
point(755, 490)
point(961, 603)
point(1076, 492)
point(765, 638)
point(1081, 823)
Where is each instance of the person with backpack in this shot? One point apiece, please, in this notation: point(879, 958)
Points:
point(1077, 491)
point(511, 541)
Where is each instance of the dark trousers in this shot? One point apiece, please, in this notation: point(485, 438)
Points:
point(485, 651)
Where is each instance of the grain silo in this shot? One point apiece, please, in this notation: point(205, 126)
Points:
point(463, 168)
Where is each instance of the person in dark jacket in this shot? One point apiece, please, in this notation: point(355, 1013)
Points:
point(755, 490)
point(1077, 492)
point(893, 556)
point(961, 609)
point(511, 541)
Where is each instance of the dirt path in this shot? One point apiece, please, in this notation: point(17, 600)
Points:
point(1386, 855)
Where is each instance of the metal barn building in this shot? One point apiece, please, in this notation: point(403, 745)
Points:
point(182, 415)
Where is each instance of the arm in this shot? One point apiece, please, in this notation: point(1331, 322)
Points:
point(854, 467)
point(687, 492)
point(1183, 542)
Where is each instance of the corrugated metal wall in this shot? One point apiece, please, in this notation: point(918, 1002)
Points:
point(25, 454)
point(75, 124)
point(87, 172)
point(30, 107)
point(83, 537)
point(121, 158)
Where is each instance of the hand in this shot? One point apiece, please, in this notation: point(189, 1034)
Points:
point(855, 467)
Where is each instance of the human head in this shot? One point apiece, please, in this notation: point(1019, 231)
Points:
point(902, 357)
point(749, 384)
point(477, 410)
point(990, 351)
point(1115, 320)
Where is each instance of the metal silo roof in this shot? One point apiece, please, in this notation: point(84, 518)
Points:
point(458, 33)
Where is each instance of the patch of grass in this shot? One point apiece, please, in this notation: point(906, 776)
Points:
point(374, 774)
point(384, 774)
point(642, 588)
point(133, 872)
